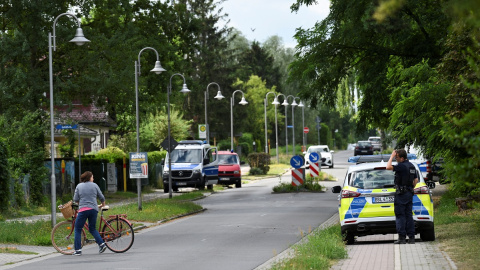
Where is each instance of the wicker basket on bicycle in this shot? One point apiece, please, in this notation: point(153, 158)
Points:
point(67, 210)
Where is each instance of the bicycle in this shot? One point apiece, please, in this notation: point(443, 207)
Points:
point(117, 232)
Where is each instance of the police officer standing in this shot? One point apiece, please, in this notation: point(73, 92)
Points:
point(405, 181)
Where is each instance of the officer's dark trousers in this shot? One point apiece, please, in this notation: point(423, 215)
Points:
point(403, 214)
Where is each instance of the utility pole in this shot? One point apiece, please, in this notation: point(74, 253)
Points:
point(318, 120)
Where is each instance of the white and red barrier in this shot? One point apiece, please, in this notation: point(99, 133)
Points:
point(297, 177)
point(314, 169)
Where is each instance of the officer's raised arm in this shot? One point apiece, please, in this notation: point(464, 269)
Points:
point(389, 163)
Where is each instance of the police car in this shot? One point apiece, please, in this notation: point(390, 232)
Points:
point(367, 197)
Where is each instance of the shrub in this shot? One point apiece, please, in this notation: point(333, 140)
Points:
point(111, 154)
point(246, 141)
point(308, 185)
point(259, 160)
point(245, 149)
point(156, 156)
point(224, 145)
point(255, 171)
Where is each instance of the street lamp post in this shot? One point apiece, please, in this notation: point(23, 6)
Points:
point(169, 150)
point(157, 69)
point(285, 103)
point(293, 122)
point(79, 39)
point(242, 102)
point(275, 102)
point(219, 96)
point(303, 119)
point(303, 123)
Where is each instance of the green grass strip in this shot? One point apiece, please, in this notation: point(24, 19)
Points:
point(320, 251)
point(38, 233)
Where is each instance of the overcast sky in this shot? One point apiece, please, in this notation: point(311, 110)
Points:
point(260, 19)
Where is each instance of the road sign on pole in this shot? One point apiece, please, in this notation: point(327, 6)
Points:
point(306, 130)
point(296, 162)
point(314, 157)
point(60, 126)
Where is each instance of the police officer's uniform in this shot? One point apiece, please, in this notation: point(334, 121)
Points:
point(405, 174)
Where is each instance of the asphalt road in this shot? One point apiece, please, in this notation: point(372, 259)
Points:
point(241, 229)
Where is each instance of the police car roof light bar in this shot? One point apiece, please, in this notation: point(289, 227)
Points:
point(376, 158)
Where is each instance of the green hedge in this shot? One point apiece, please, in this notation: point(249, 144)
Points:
point(115, 155)
point(259, 160)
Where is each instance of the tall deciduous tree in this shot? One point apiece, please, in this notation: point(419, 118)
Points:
point(209, 61)
point(350, 38)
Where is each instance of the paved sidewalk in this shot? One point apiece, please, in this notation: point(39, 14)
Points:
point(379, 252)
point(9, 260)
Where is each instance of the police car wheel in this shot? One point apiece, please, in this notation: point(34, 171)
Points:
point(349, 238)
point(428, 235)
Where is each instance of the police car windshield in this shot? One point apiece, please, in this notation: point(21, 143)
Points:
point(371, 179)
point(227, 159)
point(187, 156)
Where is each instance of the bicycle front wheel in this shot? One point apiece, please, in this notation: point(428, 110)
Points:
point(118, 235)
point(63, 237)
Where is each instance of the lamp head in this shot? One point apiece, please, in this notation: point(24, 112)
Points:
point(243, 101)
point(294, 103)
point(285, 103)
point(79, 38)
point(185, 90)
point(219, 95)
point(275, 101)
point(301, 104)
point(158, 68)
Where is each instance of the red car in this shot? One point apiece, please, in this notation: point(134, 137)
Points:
point(229, 171)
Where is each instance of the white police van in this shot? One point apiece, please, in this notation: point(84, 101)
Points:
point(194, 164)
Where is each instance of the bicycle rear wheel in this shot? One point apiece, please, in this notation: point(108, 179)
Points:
point(63, 237)
point(120, 239)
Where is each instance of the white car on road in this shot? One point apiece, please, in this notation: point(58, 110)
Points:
point(323, 151)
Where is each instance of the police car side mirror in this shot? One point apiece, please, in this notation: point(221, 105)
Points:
point(336, 189)
point(162, 162)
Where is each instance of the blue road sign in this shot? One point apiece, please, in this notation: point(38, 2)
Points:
point(296, 162)
point(66, 126)
point(289, 126)
point(314, 157)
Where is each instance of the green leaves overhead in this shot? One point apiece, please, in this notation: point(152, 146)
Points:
point(349, 39)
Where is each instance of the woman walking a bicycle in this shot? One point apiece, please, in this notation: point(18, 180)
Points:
point(86, 194)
